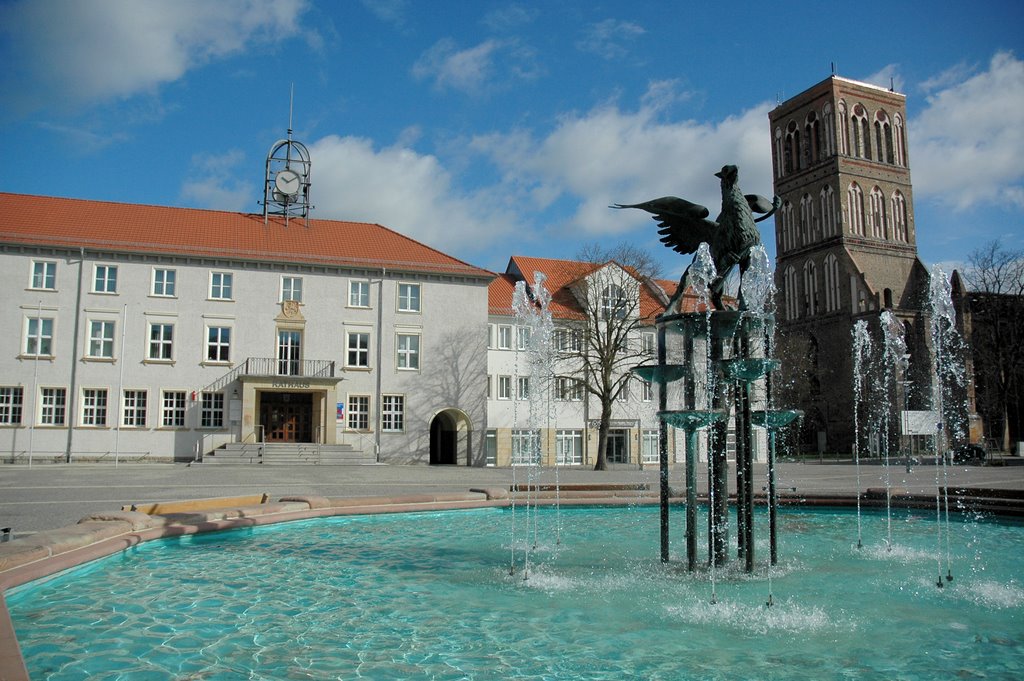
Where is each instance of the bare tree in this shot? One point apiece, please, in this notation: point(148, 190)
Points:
point(995, 278)
point(611, 343)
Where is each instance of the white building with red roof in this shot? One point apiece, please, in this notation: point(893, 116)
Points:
point(154, 333)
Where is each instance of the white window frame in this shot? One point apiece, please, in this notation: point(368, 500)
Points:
point(650, 452)
point(166, 278)
point(105, 283)
point(359, 352)
point(44, 272)
point(211, 410)
point(504, 337)
point(221, 282)
point(53, 403)
point(526, 447)
point(134, 407)
point(407, 358)
point(101, 339)
point(173, 408)
point(392, 413)
point(41, 339)
point(504, 387)
point(568, 389)
point(522, 387)
point(410, 297)
point(291, 289)
point(358, 416)
point(569, 447)
point(95, 404)
point(218, 348)
point(164, 342)
point(12, 405)
point(359, 293)
point(523, 335)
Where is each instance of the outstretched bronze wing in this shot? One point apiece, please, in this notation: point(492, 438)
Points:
point(684, 225)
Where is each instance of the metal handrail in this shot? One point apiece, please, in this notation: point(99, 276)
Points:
point(298, 368)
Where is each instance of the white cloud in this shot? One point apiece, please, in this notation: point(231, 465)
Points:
point(888, 77)
point(213, 182)
point(967, 145)
point(613, 156)
point(607, 38)
point(475, 69)
point(402, 189)
point(101, 49)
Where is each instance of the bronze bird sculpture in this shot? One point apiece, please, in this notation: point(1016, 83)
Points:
point(684, 226)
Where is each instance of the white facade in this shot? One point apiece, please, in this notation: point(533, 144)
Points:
point(143, 354)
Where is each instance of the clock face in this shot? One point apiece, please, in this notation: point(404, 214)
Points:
point(288, 182)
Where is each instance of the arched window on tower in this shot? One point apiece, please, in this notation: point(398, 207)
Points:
point(806, 219)
point(899, 140)
point(827, 201)
point(831, 283)
point(793, 159)
point(844, 129)
point(810, 289)
point(855, 199)
point(878, 226)
point(899, 217)
point(812, 133)
point(789, 287)
point(829, 137)
point(779, 168)
point(883, 137)
point(788, 226)
point(861, 132)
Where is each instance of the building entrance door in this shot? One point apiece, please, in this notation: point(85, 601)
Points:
point(287, 417)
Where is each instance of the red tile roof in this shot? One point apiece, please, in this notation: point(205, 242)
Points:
point(123, 227)
point(561, 274)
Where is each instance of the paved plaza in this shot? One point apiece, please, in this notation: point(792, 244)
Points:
point(47, 496)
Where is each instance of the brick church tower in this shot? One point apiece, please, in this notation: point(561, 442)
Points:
point(846, 245)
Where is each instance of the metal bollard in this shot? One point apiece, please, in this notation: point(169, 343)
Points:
point(5, 534)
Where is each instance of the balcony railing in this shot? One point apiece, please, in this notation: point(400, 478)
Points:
point(273, 366)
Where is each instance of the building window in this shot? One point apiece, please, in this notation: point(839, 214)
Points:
point(289, 352)
point(358, 349)
point(569, 447)
point(161, 342)
point(878, 226)
point(649, 450)
point(504, 387)
point(408, 297)
point(408, 347)
point(392, 413)
point(11, 400)
point(359, 412)
point(647, 344)
point(211, 410)
point(105, 279)
point(359, 294)
point(220, 285)
point(504, 337)
point(568, 389)
point(44, 275)
point(899, 217)
point(523, 387)
point(523, 334)
point(791, 291)
point(613, 302)
point(101, 340)
point(218, 344)
point(133, 414)
point(173, 412)
point(568, 340)
point(525, 447)
point(52, 405)
point(94, 407)
point(856, 200)
point(810, 289)
point(39, 337)
point(831, 283)
point(164, 282)
point(646, 390)
point(291, 289)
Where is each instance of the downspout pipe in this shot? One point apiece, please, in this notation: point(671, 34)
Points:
point(70, 408)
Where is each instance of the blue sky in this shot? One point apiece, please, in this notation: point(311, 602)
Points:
point(488, 129)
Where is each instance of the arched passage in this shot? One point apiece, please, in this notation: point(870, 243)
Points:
point(449, 438)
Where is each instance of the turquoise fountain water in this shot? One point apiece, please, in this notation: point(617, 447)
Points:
point(428, 596)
